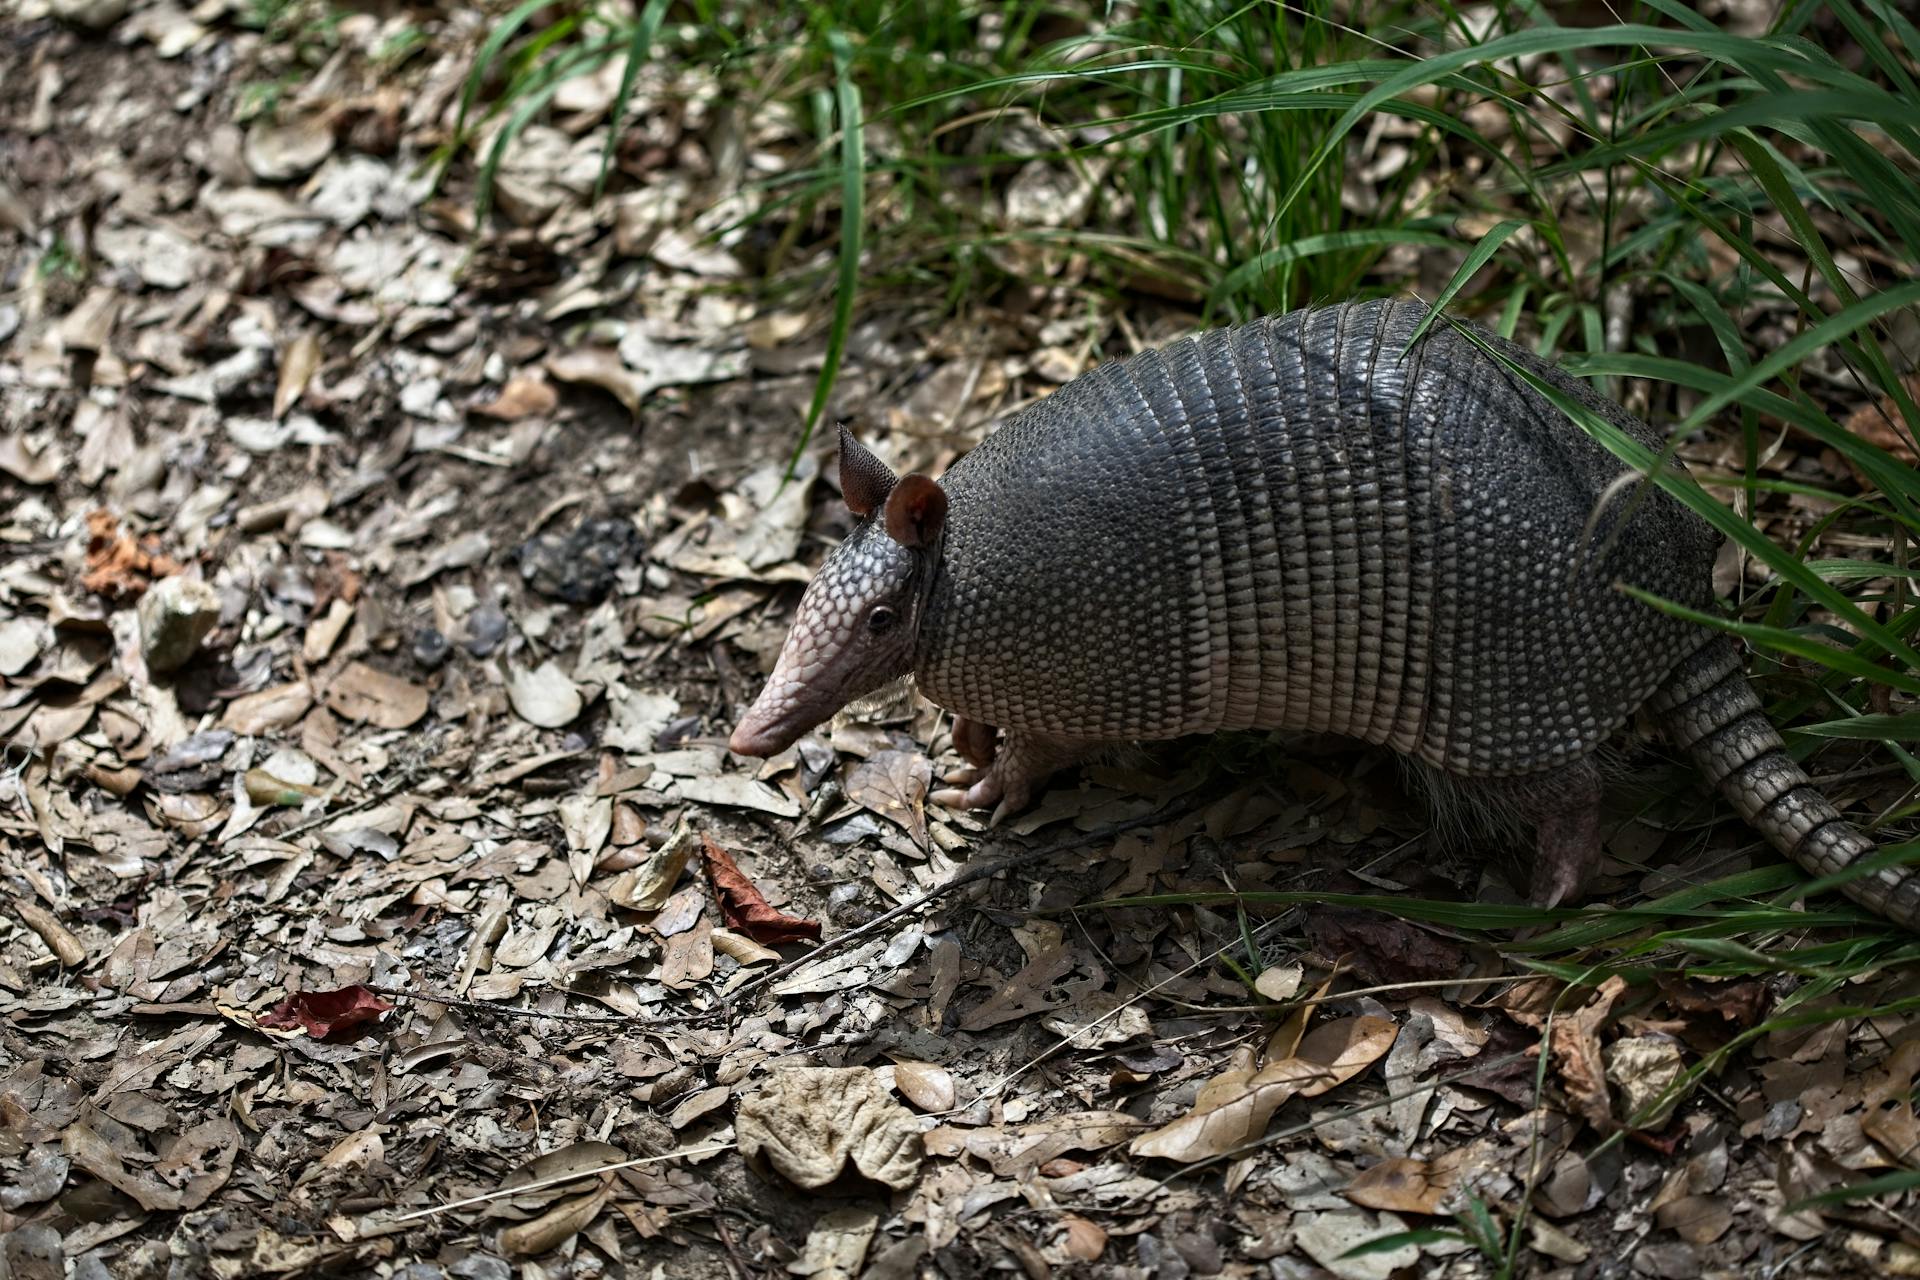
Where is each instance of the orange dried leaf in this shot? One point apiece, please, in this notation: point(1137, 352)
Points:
point(746, 909)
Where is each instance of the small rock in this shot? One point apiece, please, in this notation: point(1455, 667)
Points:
point(176, 614)
point(486, 628)
point(580, 567)
point(430, 648)
point(94, 15)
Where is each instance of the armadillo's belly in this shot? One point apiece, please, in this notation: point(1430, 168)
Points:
point(1288, 526)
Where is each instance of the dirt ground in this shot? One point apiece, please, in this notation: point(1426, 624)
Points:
point(376, 597)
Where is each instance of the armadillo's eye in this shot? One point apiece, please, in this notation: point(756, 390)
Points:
point(880, 621)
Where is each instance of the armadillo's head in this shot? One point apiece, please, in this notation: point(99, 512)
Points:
point(857, 622)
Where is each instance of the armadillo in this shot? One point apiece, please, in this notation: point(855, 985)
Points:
point(1309, 522)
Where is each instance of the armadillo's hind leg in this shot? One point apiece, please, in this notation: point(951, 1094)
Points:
point(1023, 761)
point(1559, 808)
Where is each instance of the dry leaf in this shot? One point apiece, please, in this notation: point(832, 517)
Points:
point(373, 697)
point(1086, 1241)
point(1404, 1185)
point(1696, 1219)
point(118, 567)
point(524, 396)
point(894, 785)
point(837, 1244)
point(811, 1123)
point(298, 362)
point(551, 1229)
point(1330, 1054)
point(272, 708)
point(28, 467)
point(327, 1015)
point(545, 696)
point(746, 908)
point(599, 367)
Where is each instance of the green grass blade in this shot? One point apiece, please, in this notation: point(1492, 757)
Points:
point(639, 47)
point(1488, 245)
point(853, 187)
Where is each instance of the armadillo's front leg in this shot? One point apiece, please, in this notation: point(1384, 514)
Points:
point(1566, 836)
point(1023, 761)
point(974, 741)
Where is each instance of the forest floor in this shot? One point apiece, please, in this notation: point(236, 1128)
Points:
point(376, 597)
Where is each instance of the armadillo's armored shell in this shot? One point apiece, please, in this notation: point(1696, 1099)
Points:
point(1291, 524)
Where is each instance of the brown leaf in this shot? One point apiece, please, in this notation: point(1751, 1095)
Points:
point(1023, 994)
point(271, 708)
point(1381, 949)
point(1876, 424)
point(746, 909)
point(599, 367)
point(1086, 1241)
point(894, 785)
point(387, 702)
point(551, 1229)
point(1229, 1118)
point(1402, 1184)
point(326, 1015)
point(1697, 1219)
point(524, 396)
point(118, 567)
point(298, 363)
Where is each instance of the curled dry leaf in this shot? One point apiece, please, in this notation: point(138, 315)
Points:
point(299, 360)
point(522, 397)
point(894, 785)
point(648, 886)
point(1405, 1185)
point(599, 367)
point(811, 1123)
point(1645, 1068)
point(1086, 1241)
point(1696, 1219)
point(326, 1015)
point(1226, 1119)
point(746, 909)
point(551, 1229)
point(386, 702)
point(272, 708)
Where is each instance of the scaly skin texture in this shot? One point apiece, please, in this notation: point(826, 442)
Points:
point(1292, 525)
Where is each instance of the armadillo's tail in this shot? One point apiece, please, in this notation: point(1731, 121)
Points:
point(1708, 707)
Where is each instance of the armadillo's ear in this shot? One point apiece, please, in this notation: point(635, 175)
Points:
point(864, 479)
point(916, 510)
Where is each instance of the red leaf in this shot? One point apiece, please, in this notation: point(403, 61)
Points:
point(745, 908)
point(326, 1015)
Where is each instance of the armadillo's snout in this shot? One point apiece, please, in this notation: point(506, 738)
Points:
point(769, 727)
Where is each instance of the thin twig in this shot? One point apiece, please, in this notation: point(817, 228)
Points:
point(556, 1180)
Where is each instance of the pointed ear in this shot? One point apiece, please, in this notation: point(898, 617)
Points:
point(864, 479)
point(916, 511)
